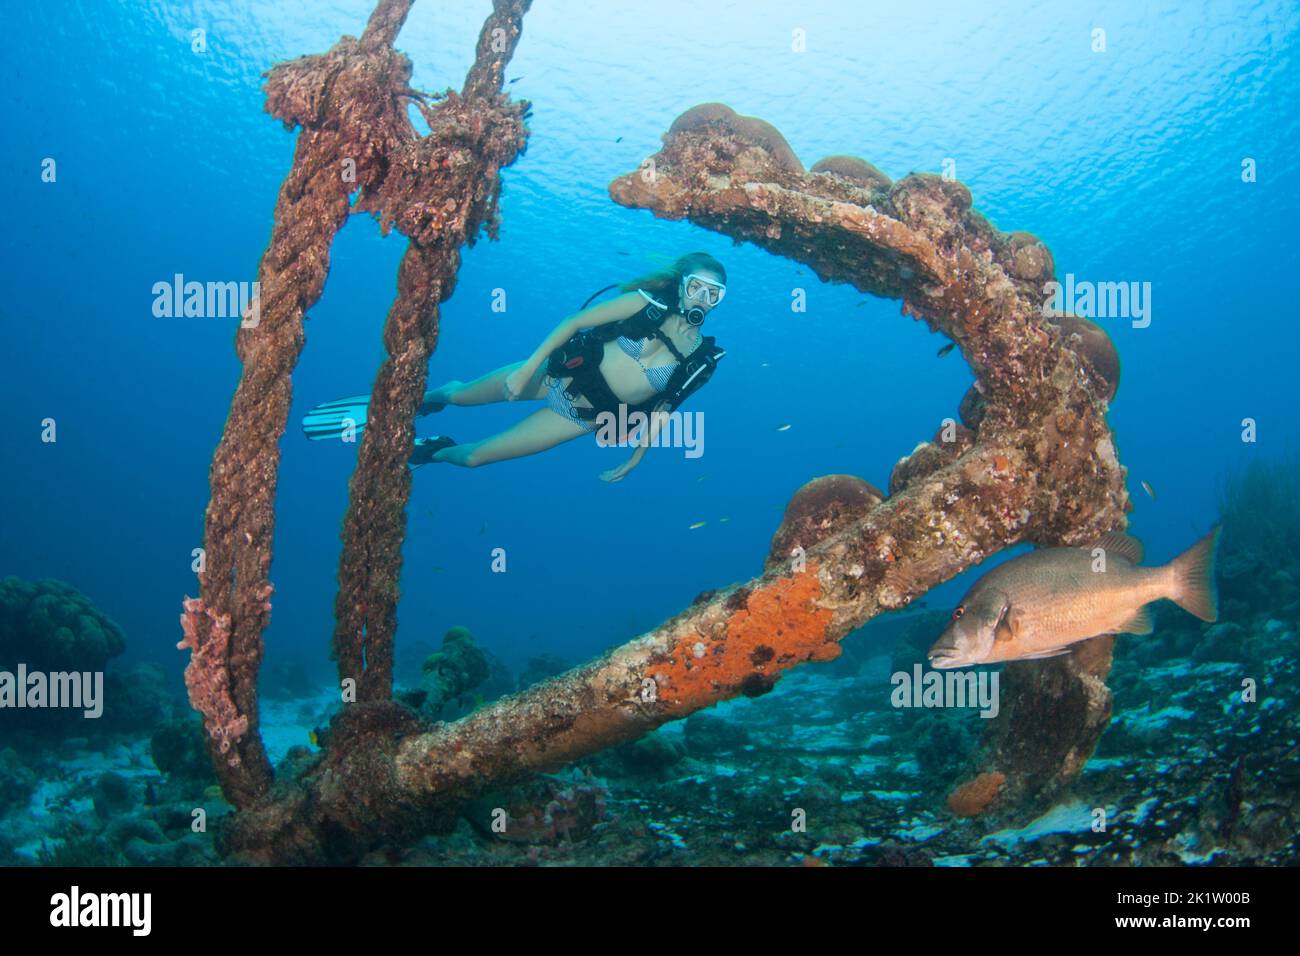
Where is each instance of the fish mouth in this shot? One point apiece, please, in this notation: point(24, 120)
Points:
point(943, 660)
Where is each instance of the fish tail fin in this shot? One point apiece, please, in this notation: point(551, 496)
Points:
point(1193, 588)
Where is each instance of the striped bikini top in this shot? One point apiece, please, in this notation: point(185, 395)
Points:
point(657, 376)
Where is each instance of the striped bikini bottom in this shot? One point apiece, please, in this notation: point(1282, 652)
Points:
point(562, 405)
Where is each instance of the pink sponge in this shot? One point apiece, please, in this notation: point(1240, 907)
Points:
point(207, 676)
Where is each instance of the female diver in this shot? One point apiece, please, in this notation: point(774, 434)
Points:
point(643, 350)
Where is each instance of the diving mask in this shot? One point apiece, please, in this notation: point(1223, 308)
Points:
point(703, 291)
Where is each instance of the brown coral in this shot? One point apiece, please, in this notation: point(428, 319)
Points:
point(1092, 343)
point(1029, 258)
point(819, 509)
point(855, 169)
point(749, 129)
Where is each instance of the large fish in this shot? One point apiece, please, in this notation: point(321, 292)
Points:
point(1038, 604)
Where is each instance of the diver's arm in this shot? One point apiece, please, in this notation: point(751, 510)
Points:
point(657, 418)
point(615, 310)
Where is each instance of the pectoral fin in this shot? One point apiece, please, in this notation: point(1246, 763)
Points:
point(1139, 623)
point(1008, 626)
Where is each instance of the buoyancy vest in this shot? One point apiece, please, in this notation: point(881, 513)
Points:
point(579, 359)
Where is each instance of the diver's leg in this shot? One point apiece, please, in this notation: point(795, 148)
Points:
point(484, 390)
point(541, 430)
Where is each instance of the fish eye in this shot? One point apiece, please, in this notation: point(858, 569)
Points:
point(958, 612)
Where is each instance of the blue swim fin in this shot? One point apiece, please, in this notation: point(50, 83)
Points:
point(333, 419)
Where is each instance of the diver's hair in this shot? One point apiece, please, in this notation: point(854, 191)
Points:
point(665, 283)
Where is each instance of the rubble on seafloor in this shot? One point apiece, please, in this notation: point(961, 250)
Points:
point(1187, 773)
point(821, 771)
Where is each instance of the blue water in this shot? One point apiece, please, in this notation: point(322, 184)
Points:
point(1126, 163)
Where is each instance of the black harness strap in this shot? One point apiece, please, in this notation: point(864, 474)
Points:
point(579, 360)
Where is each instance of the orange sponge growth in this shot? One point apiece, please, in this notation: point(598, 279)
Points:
point(772, 628)
point(974, 797)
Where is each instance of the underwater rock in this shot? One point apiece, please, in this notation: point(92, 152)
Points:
point(651, 754)
point(818, 510)
point(707, 734)
point(80, 851)
point(112, 795)
point(943, 741)
point(190, 850)
point(128, 827)
point(51, 626)
point(895, 854)
point(17, 782)
point(453, 671)
point(543, 811)
point(177, 750)
point(137, 700)
point(1224, 641)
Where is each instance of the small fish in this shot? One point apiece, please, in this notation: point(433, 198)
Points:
point(516, 79)
point(783, 428)
point(701, 478)
point(619, 139)
point(698, 524)
point(860, 304)
point(1149, 490)
point(765, 364)
point(438, 570)
point(945, 350)
point(1039, 604)
point(315, 741)
point(622, 253)
point(723, 520)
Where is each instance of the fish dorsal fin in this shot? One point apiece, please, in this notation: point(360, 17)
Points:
point(1139, 623)
point(1121, 545)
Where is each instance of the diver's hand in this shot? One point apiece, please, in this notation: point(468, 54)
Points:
point(619, 473)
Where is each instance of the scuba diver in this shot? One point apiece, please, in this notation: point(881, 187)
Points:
point(643, 350)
